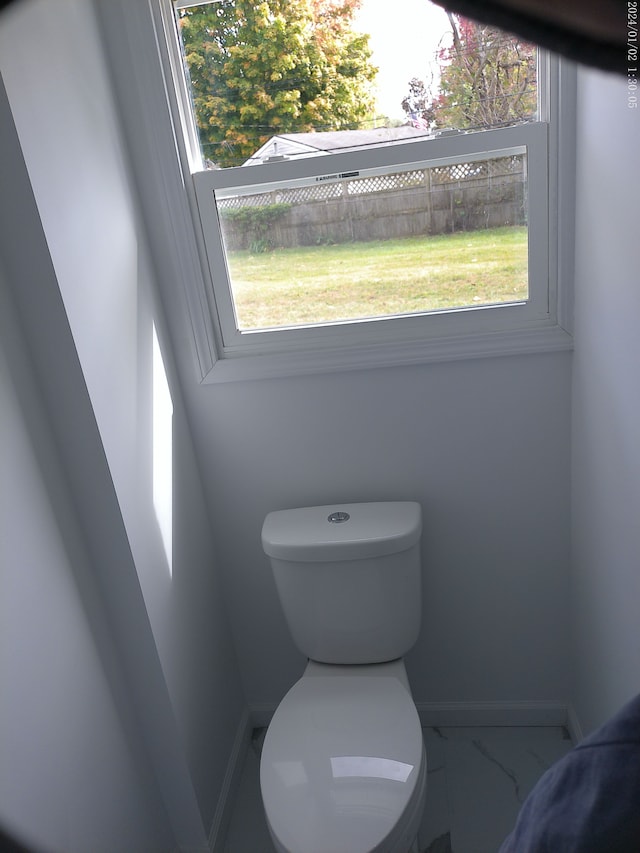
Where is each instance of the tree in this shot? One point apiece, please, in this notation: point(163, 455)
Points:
point(488, 77)
point(261, 67)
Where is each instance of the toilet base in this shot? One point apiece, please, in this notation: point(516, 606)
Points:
point(404, 839)
point(294, 782)
point(413, 849)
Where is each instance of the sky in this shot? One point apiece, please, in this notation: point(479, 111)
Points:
point(403, 43)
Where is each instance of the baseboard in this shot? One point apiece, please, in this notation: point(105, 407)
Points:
point(531, 713)
point(226, 800)
point(574, 726)
point(519, 713)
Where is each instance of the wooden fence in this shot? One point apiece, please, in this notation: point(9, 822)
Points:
point(437, 200)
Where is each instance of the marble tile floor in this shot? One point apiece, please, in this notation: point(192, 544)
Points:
point(477, 781)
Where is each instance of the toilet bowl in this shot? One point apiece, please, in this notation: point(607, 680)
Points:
point(343, 766)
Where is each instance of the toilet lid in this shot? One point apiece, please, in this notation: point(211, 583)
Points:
point(340, 762)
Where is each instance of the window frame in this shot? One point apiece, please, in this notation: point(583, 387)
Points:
point(419, 327)
point(455, 334)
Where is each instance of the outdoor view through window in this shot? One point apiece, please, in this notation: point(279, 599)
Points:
point(279, 81)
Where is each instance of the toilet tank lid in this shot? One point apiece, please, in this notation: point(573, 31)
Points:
point(357, 531)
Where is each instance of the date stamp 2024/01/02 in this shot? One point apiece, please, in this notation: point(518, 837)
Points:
point(632, 54)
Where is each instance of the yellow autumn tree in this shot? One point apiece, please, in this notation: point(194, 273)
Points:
point(276, 66)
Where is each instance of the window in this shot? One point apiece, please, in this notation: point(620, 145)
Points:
point(364, 238)
point(355, 245)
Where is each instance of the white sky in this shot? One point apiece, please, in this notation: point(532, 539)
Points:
point(404, 37)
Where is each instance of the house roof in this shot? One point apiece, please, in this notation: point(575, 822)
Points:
point(328, 142)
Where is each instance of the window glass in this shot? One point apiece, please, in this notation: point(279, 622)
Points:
point(264, 76)
point(378, 243)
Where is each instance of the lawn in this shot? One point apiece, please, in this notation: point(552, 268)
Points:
point(316, 284)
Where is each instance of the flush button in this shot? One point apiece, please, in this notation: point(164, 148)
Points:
point(338, 517)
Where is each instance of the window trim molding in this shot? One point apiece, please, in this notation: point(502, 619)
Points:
point(153, 118)
point(136, 53)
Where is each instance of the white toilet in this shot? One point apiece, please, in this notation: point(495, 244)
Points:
point(343, 767)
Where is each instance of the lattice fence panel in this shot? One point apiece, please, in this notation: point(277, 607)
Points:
point(458, 172)
point(314, 192)
point(236, 202)
point(385, 183)
point(380, 183)
point(505, 165)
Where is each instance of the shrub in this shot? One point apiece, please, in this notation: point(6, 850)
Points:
point(250, 225)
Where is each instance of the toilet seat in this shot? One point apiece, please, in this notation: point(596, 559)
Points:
point(343, 767)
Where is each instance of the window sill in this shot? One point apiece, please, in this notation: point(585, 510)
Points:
point(547, 338)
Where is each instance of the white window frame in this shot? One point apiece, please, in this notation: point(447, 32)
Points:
point(189, 223)
point(384, 330)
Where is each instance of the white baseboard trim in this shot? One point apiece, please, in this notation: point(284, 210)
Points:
point(520, 713)
point(574, 726)
point(226, 800)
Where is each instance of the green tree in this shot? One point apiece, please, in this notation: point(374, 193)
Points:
point(261, 67)
point(488, 77)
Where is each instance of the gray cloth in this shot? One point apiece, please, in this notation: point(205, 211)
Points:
point(589, 801)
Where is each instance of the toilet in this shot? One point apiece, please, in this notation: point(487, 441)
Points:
point(343, 766)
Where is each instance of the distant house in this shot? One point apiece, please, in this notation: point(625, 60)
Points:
point(287, 145)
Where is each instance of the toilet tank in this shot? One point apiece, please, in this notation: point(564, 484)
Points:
point(348, 577)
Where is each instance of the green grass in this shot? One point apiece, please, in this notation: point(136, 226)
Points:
point(319, 284)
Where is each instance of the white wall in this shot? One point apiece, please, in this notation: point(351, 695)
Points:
point(60, 97)
point(606, 402)
point(71, 778)
point(483, 445)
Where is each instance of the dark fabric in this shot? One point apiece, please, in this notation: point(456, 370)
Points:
point(8, 844)
point(541, 26)
point(589, 801)
point(568, 38)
